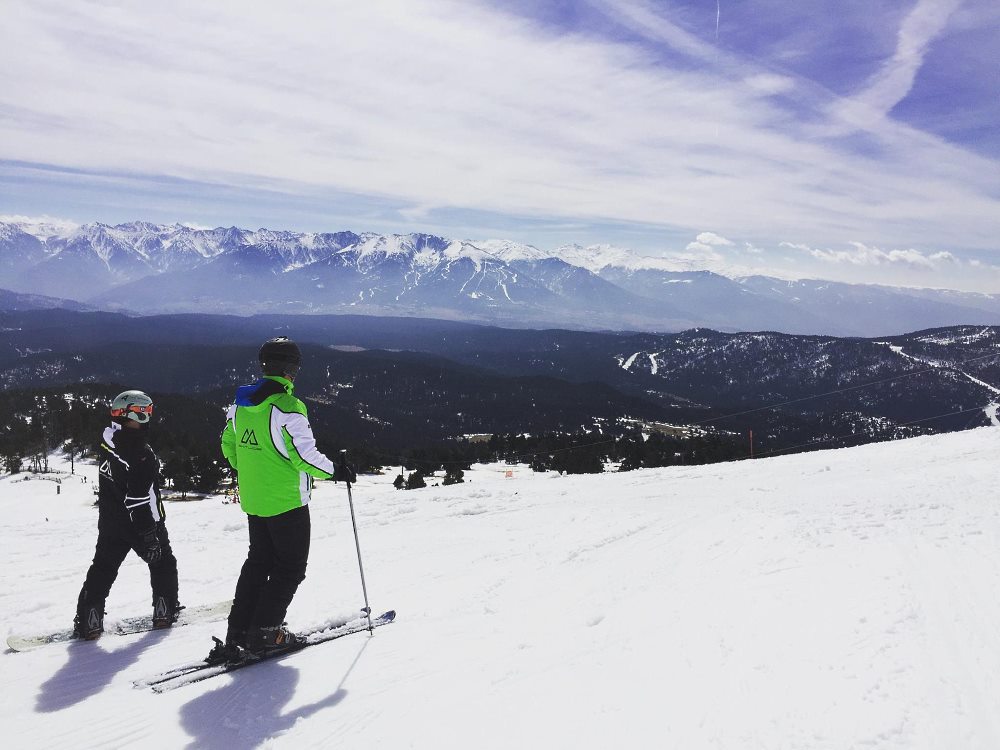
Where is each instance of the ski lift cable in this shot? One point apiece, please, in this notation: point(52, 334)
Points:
point(846, 437)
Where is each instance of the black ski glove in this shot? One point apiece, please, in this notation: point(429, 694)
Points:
point(152, 551)
point(344, 472)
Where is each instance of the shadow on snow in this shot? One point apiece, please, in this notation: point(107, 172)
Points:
point(88, 671)
point(247, 713)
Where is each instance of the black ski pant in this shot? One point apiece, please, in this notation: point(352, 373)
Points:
point(274, 568)
point(115, 538)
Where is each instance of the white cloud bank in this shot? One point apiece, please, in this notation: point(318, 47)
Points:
point(941, 269)
point(863, 255)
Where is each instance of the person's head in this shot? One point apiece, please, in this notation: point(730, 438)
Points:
point(280, 356)
point(132, 410)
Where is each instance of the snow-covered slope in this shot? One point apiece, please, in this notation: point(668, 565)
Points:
point(826, 600)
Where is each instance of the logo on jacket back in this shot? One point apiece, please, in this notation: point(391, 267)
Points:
point(249, 439)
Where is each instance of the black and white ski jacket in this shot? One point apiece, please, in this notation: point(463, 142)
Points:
point(129, 483)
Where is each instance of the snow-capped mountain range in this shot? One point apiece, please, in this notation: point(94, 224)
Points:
point(146, 268)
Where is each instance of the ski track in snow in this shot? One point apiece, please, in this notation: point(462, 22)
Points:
point(628, 362)
point(653, 364)
point(834, 599)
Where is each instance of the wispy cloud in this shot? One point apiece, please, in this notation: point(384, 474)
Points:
point(894, 80)
point(769, 83)
point(441, 107)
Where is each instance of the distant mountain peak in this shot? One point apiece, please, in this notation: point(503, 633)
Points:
point(509, 251)
point(596, 258)
point(41, 227)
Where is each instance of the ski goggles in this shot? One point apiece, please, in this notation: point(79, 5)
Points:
point(136, 408)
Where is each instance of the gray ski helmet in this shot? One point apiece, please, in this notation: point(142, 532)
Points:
point(134, 405)
point(280, 356)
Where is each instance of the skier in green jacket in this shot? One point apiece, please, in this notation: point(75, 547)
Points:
point(269, 443)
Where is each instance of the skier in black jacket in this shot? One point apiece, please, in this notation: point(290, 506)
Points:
point(131, 517)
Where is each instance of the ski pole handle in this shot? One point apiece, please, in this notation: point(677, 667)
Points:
point(345, 468)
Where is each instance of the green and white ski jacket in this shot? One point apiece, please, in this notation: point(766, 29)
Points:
point(269, 442)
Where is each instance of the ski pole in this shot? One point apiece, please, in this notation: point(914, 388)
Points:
point(357, 544)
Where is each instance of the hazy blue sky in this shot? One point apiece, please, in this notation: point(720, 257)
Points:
point(852, 139)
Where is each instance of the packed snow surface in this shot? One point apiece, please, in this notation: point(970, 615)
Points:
point(835, 599)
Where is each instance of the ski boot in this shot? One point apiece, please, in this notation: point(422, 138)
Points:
point(265, 642)
point(89, 622)
point(165, 612)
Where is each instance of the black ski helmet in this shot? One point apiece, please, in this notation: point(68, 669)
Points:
point(280, 356)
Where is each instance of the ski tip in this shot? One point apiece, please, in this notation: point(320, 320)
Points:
point(388, 616)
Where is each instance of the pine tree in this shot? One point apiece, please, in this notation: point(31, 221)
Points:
point(453, 476)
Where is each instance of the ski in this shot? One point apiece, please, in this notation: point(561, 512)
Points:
point(202, 665)
point(187, 674)
point(126, 626)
